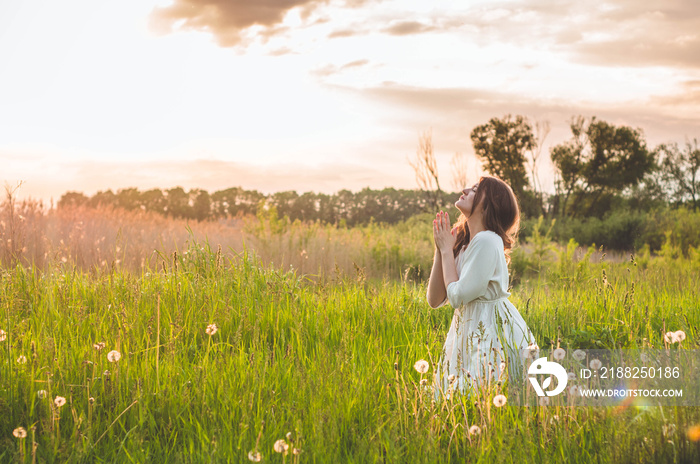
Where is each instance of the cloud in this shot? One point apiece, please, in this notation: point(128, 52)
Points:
point(227, 19)
point(408, 28)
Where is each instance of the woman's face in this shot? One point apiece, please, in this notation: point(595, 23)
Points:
point(466, 202)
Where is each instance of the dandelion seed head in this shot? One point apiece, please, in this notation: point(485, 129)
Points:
point(3, 335)
point(595, 364)
point(579, 355)
point(254, 456)
point(544, 401)
point(41, 394)
point(20, 432)
point(670, 337)
point(571, 376)
point(499, 400)
point(424, 382)
point(114, 356)
point(296, 451)
point(474, 430)
point(680, 335)
point(280, 446)
point(573, 390)
point(22, 359)
point(559, 354)
point(212, 329)
point(99, 346)
point(421, 366)
point(451, 378)
point(59, 401)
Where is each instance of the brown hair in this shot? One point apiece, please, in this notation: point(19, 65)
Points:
point(501, 214)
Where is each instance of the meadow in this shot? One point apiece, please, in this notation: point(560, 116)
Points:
point(132, 338)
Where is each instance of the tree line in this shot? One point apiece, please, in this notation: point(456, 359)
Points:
point(601, 168)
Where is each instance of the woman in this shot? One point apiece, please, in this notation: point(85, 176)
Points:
point(470, 270)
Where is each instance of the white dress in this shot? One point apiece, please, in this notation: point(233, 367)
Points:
point(483, 319)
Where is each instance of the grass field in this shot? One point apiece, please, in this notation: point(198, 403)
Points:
point(328, 361)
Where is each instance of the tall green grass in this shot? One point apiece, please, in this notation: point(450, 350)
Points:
point(328, 361)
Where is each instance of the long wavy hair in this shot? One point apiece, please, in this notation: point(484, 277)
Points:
point(501, 214)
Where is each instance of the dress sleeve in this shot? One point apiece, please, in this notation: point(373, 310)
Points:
point(477, 270)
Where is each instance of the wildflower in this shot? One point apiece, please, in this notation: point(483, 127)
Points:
point(559, 354)
point(571, 376)
point(424, 382)
point(595, 364)
point(670, 337)
point(114, 356)
point(421, 366)
point(3, 335)
point(22, 359)
point(474, 430)
point(212, 329)
point(41, 394)
point(693, 433)
point(20, 432)
point(573, 390)
point(99, 346)
point(579, 355)
point(281, 446)
point(544, 401)
point(451, 378)
point(680, 335)
point(296, 451)
point(289, 436)
point(106, 374)
point(254, 456)
point(499, 400)
point(59, 401)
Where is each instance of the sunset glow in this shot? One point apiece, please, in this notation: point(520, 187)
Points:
point(320, 95)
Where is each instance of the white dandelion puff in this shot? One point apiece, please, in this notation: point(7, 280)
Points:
point(544, 401)
point(499, 400)
point(22, 359)
point(670, 337)
point(595, 364)
point(212, 329)
point(59, 401)
point(421, 366)
point(99, 346)
point(424, 382)
point(559, 354)
point(281, 446)
point(41, 394)
point(474, 430)
point(680, 335)
point(573, 390)
point(20, 432)
point(571, 376)
point(3, 335)
point(114, 356)
point(579, 355)
point(451, 378)
point(254, 456)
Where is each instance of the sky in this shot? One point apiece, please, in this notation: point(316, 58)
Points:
point(321, 95)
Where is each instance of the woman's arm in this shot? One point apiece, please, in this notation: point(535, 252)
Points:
point(478, 268)
point(437, 295)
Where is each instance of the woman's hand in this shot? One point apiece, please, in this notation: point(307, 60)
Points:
point(442, 232)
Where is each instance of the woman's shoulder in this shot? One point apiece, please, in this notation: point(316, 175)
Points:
point(487, 237)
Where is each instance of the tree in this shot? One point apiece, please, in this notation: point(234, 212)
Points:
point(72, 199)
point(501, 145)
point(680, 171)
point(425, 167)
point(597, 164)
point(201, 204)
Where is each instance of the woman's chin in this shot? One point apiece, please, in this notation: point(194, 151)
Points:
point(461, 208)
